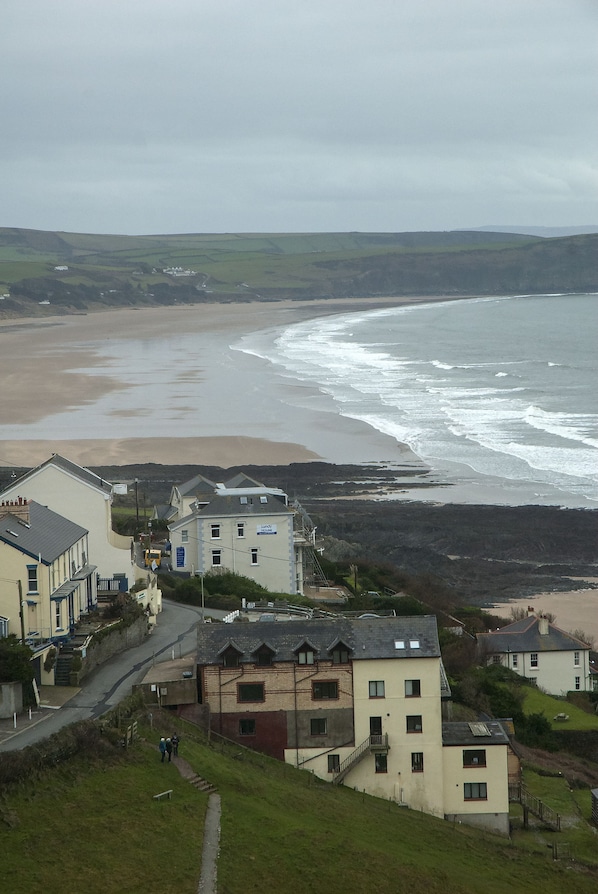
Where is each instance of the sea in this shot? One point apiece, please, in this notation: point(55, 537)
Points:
point(504, 389)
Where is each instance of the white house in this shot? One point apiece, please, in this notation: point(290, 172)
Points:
point(85, 498)
point(534, 648)
point(46, 580)
point(357, 702)
point(240, 526)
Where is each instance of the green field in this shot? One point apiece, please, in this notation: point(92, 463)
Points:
point(95, 826)
point(112, 270)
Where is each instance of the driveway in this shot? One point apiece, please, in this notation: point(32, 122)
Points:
point(174, 636)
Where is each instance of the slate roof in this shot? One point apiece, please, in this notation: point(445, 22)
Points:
point(465, 734)
point(197, 484)
point(47, 534)
point(72, 469)
point(367, 639)
point(525, 636)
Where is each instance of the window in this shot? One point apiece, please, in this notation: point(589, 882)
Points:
point(250, 692)
point(412, 689)
point(3, 627)
point(58, 614)
point(381, 763)
point(414, 644)
point(399, 643)
point(334, 763)
point(533, 659)
point(215, 532)
point(247, 727)
point(32, 578)
point(324, 690)
point(515, 661)
point(474, 758)
point(240, 529)
point(184, 536)
point(243, 501)
point(375, 726)
point(417, 762)
point(318, 726)
point(216, 557)
point(576, 659)
point(475, 791)
point(340, 655)
point(305, 656)
point(496, 659)
point(376, 688)
point(264, 657)
point(578, 682)
point(230, 658)
point(254, 556)
point(414, 723)
point(263, 498)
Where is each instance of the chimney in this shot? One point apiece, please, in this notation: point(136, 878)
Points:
point(19, 508)
point(543, 626)
point(530, 611)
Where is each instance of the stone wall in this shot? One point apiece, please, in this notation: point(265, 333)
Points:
point(121, 639)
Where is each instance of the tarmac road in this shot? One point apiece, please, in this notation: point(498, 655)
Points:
point(174, 636)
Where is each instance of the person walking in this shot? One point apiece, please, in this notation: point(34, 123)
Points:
point(169, 749)
point(162, 747)
point(175, 745)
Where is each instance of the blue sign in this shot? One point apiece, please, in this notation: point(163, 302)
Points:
point(180, 557)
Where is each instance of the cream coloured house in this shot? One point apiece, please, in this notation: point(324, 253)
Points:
point(86, 499)
point(357, 702)
point(241, 526)
point(554, 660)
point(46, 580)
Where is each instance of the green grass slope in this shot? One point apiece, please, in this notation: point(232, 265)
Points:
point(97, 828)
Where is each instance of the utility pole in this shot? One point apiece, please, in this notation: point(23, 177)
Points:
point(20, 586)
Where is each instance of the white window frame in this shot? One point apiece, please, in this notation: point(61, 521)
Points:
point(215, 532)
point(216, 558)
point(254, 556)
point(533, 659)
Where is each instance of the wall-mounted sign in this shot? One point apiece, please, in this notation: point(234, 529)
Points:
point(180, 557)
point(266, 529)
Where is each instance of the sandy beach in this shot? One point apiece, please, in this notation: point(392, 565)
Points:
point(56, 375)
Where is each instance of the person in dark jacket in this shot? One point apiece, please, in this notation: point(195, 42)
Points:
point(162, 747)
point(169, 749)
point(175, 745)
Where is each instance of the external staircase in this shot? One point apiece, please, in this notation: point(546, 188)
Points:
point(374, 744)
point(519, 794)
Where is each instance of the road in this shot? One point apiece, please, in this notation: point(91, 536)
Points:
point(173, 636)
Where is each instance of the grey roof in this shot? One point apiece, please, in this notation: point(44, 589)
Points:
point(73, 469)
point(47, 534)
point(232, 505)
point(366, 639)
point(525, 636)
point(472, 734)
point(198, 484)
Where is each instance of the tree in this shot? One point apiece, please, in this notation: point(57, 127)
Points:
point(15, 665)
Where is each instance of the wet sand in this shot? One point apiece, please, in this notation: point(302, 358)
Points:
point(56, 381)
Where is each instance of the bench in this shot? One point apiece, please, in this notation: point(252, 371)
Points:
point(166, 794)
point(561, 717)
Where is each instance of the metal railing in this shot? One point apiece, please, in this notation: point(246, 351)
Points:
point(372, 743)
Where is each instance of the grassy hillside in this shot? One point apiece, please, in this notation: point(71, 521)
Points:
point(96, 826)
point(112, 270)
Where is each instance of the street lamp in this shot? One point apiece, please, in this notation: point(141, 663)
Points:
point(202, 599)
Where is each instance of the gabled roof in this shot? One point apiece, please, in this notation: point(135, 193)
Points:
point(525, 636)
point(70, 468)
point(196, 485)
point(367, 639)
point(242, 480)
point(46, 535)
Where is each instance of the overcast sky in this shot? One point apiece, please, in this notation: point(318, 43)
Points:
point(165, 116)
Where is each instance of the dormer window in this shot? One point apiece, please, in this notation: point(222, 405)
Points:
point(305, 655)
point(230, 657)
point(264, 656)
point(263, 498)
point(340, 654)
